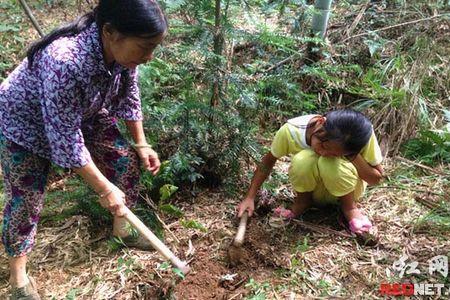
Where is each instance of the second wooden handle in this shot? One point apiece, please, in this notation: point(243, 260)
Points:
point(239, 239)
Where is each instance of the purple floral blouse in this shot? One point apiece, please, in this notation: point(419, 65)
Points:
point(44, 109)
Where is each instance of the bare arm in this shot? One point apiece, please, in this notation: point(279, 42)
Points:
point(136, 130)
point(371, 175)
point(148, 156)
point(111, 197)
point(262, 172)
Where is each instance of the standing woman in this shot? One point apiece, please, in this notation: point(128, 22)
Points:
point(60, 105)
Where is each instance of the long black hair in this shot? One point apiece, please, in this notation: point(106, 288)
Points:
point(351, 129)
point(142, 18)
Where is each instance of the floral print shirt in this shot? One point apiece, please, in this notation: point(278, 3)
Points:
point(45, 108)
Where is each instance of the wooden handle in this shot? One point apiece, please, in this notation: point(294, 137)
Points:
point(239, 239)
point(153, 239)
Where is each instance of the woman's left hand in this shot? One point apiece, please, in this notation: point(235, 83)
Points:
point(149, 159)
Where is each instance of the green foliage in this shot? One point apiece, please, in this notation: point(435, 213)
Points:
point(171, 210)
point(127, 265)
point(193, 224)
point(430, 147)
point(200, 142)
point(60, 204)
point(72, 294)
point(166, 191)
point(258, 290)
point(11, 41)
point(115, 244)
point(164, 266)
point(302, 246)
point(178, 272)
point(87, 204)
point(436, 222)
point(149, 218)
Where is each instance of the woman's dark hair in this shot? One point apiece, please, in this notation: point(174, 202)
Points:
point(349, 128)
point(142, 18)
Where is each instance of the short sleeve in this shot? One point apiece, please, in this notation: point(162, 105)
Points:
point(129, 105)
point(283, 144)
point(62, 114)
point(372, 152)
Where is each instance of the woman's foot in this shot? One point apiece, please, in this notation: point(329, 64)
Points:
point(26, 292)
point(358, 222)
point(282, 216)
point(284, 213)
point(129, 236)
point(121, 227)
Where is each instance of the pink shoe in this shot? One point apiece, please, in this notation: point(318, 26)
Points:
point(281, 217)
point(360, 225)
point(366, 233)
point(284, 213)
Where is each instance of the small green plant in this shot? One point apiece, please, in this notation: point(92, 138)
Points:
point(127, 265)
point(193, 224)
point(178, 272)
point(115, 244)
point(167, 266)
point(302, 246)
point(171, 210)
point(72, 294)
point(166, 192)
point(258, 290)
point(430, 146)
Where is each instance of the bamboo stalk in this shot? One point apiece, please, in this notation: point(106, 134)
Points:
point(321, 16)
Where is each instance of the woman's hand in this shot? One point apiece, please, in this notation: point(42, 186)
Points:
point(114, 201)
point(248, 204)
point(149, 159)
point(370, 174)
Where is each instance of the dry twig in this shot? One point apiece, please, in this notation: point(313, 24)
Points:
point(357, 19)
point(410, 162)
point(321, 229)
point(31, 17)
point(395, 26)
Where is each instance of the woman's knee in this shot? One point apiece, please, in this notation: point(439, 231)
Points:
point(339, 176)
point(303, 171)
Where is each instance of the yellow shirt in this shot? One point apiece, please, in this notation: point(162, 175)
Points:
point(287, 138)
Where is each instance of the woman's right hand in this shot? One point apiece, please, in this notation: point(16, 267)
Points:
point(248, 204)
point(114, 201)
